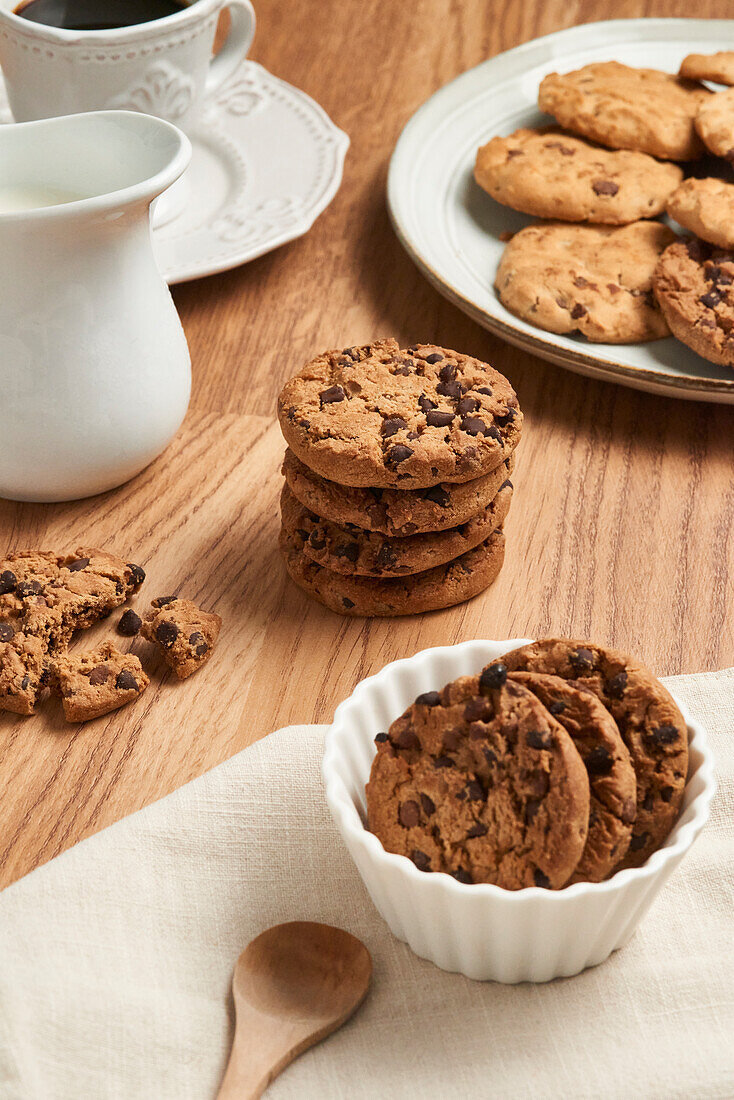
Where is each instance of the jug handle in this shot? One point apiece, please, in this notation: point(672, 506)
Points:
point(235, 46)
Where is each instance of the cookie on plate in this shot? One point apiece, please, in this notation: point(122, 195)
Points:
point(706, 208)
point(395, 512)
point(382, 417)
point(481, 782)
point(642, 109)
point(651, 725)
point(694, 284)
point(551, 174)
point(95, 683)
point(612, 783)
point(716, 67)
point(367, 597)
point(183, 633)
point(715, 123)
point(592, 279)
point(352, 551)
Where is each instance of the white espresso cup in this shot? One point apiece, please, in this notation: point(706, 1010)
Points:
point(164, 67)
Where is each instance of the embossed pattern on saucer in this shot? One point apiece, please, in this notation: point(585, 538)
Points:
point(267, 161)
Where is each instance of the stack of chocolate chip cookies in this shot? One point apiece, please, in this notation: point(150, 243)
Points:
point(396, 477)
point(562, 762)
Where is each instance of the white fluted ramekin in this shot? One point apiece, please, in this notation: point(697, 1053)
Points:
point(483, 931)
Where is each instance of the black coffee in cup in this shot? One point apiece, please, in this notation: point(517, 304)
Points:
point(96, 15)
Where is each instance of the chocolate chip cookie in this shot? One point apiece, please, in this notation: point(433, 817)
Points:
point(706, 208)
point(715, 123)
point(595, 280)
point(642, 109)
point(480, 781)
point(651, 725)
point(395, 512)
point(350, 550)
point(550, 174)
point(443, 586)
point(95, 683)
point(612, 783)
point(694, 284)
point(22, 669)
point(382, 417)
point(183, 633)
point(716, 67)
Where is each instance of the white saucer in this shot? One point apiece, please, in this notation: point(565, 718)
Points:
point(267, 161)
point(452, 230)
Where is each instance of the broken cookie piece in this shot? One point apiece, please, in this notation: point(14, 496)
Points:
point(184, 633)
point(22, 666)
point(94, 683)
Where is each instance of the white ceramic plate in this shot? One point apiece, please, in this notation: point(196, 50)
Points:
point(267, 161)
point(451, 228)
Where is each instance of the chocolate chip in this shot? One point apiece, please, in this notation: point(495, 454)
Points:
point(409, 814)
point(449, 389)
point(616, 686)
point(467, 405)
point(386, 557)
point(451, 740)
point(557, 706)
point(531, 808)
point(25, 683)
point(463, 876)
point(489, 756)
point(99, 675)
point(711, 299)
point(429, 699)
point(331, 396)
point(425, 404)
point(434, 357)
point(8, 581)
point(6, 632)
point(437, 495)
point(475, 791)
point(647, 802)
point(421, 860)
point(198, 643)
point(664, 735)
point(392, 425)
point(443, 762)
point(137, 574)
point(473, 425)
point(381, 738)
point(316, 539)
point(666, 793)
point(485, 390)
point(397, 454)
point(348, 550)
point(613, 288)
point(696, 250)
point(166, 633)
point(429, 806)
point(129, 623)
point(407, 739)
point(605, 187)
point(493, 677)
point(540, 879)
point(578, 311)
point(161, 601)
point(437, 419)
point(126, 681)
point(478, 710)
point(721, 277)
point(639, 842)
point(536, 739)
point(77, 565)
point(599, 761)
point(447, 372)
point(476, 830)
point(347, 602)
point(505, 418)
point(29, 588)
point(582, 659)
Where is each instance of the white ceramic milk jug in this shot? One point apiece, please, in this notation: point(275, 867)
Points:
point(95, 374)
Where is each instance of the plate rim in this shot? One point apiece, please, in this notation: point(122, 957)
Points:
point(719, 390)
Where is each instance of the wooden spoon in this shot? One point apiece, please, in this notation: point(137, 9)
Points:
point(293, 985)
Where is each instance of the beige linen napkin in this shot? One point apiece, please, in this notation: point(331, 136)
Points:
point(116, 959)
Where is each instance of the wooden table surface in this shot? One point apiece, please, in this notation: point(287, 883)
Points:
point(621, 525)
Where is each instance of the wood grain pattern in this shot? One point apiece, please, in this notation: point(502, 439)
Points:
point(621, 525)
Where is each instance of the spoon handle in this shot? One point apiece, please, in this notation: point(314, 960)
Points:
point(261, 1050)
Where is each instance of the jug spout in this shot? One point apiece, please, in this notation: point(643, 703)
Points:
point(87, 164)
point(94, 367)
